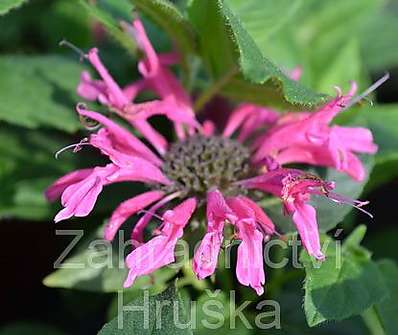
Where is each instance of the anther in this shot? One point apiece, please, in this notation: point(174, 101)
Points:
point(76, 147)
point(368, 91)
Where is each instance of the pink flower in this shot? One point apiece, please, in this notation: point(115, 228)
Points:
point(250, 118)
point(206, 168)
point(311, 140)
point(249, 268)
point(295, 188)
point(79, 198)
point(159, 251)
point(218, 213)
point(127, 209)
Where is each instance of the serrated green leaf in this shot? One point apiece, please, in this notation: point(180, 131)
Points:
point(157, 320)
point(98, 266)
point(225, 46)
point(39, 91)
point(345, 284)
point(387, 309)
point(7, 5)
point(111, 24)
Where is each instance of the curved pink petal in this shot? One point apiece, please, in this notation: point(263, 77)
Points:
point(262, 218)
point(355, 168)
point(55, 190)
point(236, 119)
point(137, 233)
point(115, 93)
point(133, 167)
point(206, 256)
point(154, 254)
point(304, 217)
point(131, 91)
point(127, 209)
point(121, 136)
point(218, 211)
point(79, 198)
point(151, 135)
point(170, 107)
point(250, 267)
point(83, 200)
point(149, 67)
point(159, 251)
point(357, 139)
point(261, 117)
point(139, 170)
point(90, 89)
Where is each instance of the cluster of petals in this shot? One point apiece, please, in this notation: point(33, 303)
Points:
point(275, 139)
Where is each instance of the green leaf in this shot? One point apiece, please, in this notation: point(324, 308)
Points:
point(214, 310)
point(347, 283)
point(386, 311)
point(382, 120)
point(119, 9)
point(111, 24)
point(329, 213)
point(264, 18)
point(321, 38)
point(162, 311)
point(99, 266)
point(226, 46)
point(169, 18)
point(39, 91)
point(293, 320)
point(28, 167)
point(379, 43)
point(7, 5)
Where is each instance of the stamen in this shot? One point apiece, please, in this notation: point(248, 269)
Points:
point(151, 213)
point(76, 49)
point(341, 199)
point(368, 91)
point(76, 147)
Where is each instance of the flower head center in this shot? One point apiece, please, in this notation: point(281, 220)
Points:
point(200, 163)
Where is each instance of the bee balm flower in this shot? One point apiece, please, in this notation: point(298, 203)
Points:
point(204, 167)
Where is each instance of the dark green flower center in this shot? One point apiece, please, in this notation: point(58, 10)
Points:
point(201, 163)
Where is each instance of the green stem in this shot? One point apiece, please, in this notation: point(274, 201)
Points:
point(212, 90)
point(372, 320)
